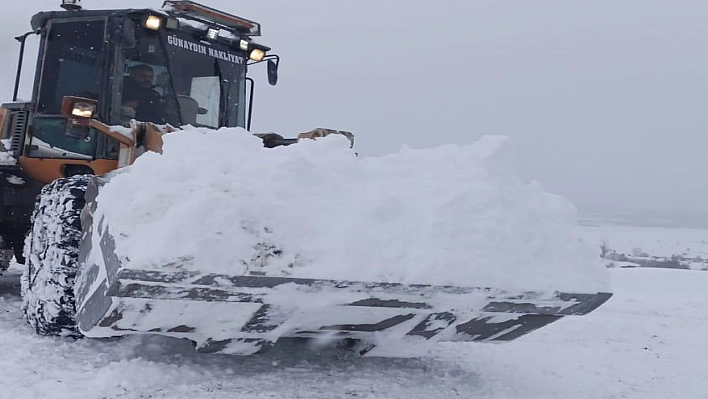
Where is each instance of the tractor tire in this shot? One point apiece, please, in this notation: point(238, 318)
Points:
point(5, 259)
point(52, 252)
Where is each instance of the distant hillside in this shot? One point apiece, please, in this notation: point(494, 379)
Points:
point(644, 218)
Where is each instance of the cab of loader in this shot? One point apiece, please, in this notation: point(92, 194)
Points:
point(107, 81)
point(184, 64)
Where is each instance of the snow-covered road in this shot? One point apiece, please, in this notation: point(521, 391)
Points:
point(154, 367)
point(646, 342)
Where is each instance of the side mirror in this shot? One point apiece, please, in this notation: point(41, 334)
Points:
point(272, 72)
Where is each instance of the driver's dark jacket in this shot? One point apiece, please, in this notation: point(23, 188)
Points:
point(150, 106)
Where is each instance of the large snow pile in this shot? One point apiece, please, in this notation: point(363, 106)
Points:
point(218, 202)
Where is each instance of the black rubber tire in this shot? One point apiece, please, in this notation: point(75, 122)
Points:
point(51, 252)
point(5, 259)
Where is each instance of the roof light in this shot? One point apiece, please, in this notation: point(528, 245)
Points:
point(71, 5)
point(230, 21)
point(256, 54)
point(213, 33)
point(153, 22)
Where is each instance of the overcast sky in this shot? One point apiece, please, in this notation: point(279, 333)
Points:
point(606, 100)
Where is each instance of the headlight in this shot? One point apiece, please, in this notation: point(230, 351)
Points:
point(213, 33)
point(256, 54)
point(153, 22)
point(78, 108)
point(83, 110)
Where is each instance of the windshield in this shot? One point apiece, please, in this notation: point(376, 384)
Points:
point(207, 79)
point(73, 63)
point(171, 77)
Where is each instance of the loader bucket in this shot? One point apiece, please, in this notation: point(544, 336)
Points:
point(244, 314)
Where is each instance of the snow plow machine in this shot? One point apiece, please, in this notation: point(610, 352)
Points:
point(108, 85)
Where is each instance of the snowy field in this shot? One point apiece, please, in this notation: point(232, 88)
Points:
point(643, 343)
point(687, 247)
point(657, 241)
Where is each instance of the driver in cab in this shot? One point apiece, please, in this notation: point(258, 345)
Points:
point(139, 95)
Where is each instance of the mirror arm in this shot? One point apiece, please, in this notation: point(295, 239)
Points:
point(266, 58)
point(22, 39)
point(273, 59)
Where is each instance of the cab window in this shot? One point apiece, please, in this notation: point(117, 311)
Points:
point(73, 63)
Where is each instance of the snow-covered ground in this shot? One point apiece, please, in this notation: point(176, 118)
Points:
point(657, 241)
point(687, 247)
point(646, 342)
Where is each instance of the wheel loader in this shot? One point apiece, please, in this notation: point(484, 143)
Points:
point(108, 85)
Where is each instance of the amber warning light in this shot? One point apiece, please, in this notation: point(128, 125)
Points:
point(197, 10)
